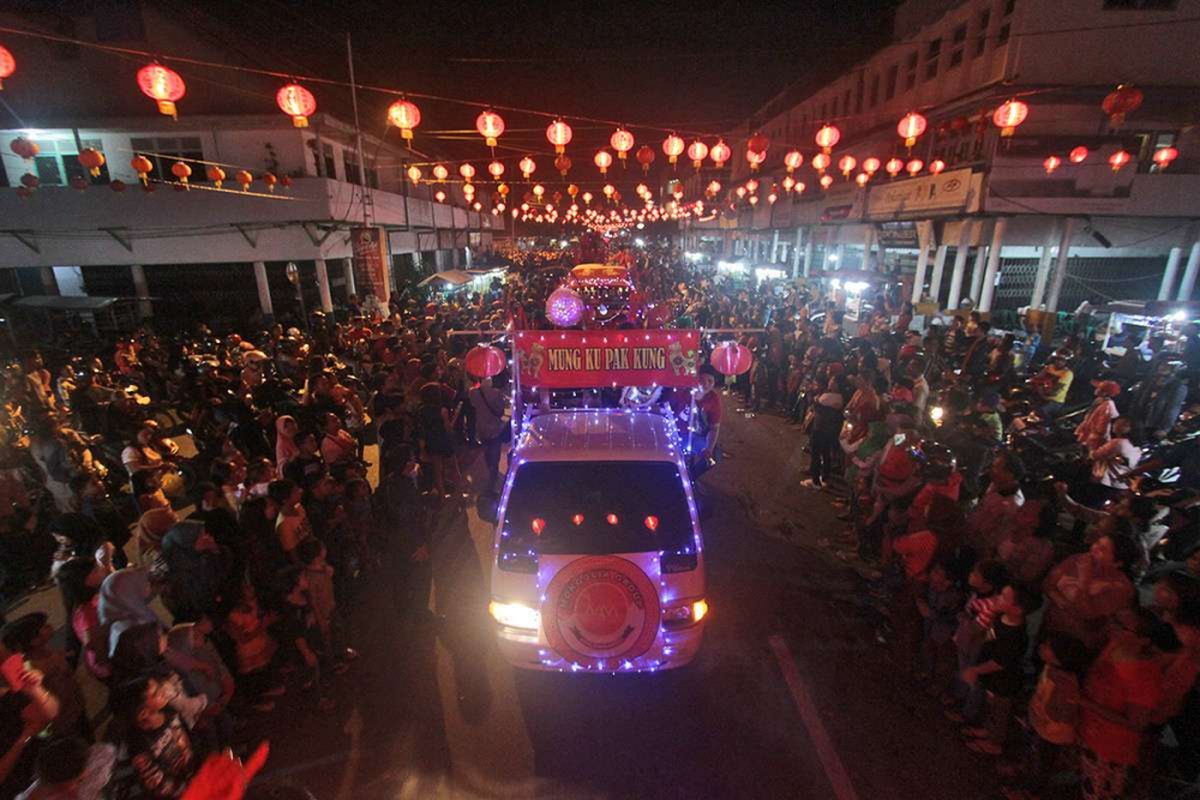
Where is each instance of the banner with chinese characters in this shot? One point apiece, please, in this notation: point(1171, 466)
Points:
point(369, 247)
point(588, 359)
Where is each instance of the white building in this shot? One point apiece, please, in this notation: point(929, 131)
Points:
point(994, 226)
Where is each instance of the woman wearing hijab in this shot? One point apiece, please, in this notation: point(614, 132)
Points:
point(125, 601)
point(197, 569)
point(285, 441)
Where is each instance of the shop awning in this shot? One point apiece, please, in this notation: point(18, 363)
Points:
point(451, 277)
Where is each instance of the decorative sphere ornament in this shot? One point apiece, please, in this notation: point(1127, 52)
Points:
point(564, 307)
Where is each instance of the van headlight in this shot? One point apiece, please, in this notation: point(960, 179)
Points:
point(683, 616)
point(515, 615)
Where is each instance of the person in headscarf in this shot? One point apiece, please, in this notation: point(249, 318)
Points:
point(285, 441)
point(197, 568)
point(125, 601)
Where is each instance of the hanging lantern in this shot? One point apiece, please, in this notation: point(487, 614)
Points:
point(181, 171)
point(440, 196)
point(163, 85)
point(772, 197)
point(414, 174)
point(1078, 155)
point(911, 126)
point(538, 191)
point(562, 163)
point(622, 142)
point(440, 172)
point(286, 181)
point(720, 153)
point(936, 166)
point(1009, 115)
point(1118, 160)
point(244, 179)
point(564, 307)
point(755, 159)
point(25, 148)
point(1163, 156)
point(752, 186)
point(215, 175)
point(914, 166)
point(793, 160)
point(8, 65)
point(697, 151)
point(714, 188)
point(603, 160)
point(572, 190)
point(894, 166)
point(847, 163)
point(467, 171)
point(641, 189)
point(731, 358)
point(645, 157)
point(490, 126)
point(1123, 100)
point(871, 165)
point(758, 143)
point(587, 198)
point(799, 188)
point(753, 200)
point(405, 116)
point(142, 166)
point(297, 102)
point(1051, 163)
point(502, 190)
point(673, 147)
point(740, 192)
point(826, 181)
point(827, 137)
point(559, 133)
point(788, 183)
point(92, 160)
point(527, 166)
point(496, 169)
point(609, 189)
point(821, 162)
point(862, 178)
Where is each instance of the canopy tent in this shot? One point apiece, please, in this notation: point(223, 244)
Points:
point(456, 278)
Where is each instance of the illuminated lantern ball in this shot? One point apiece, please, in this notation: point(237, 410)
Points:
point(1078, 155)
point(527, 166)
point(788, 183)
point(270, 180)
point(564, 307)
point(485, 361)
point(752, 186)
point(440, 196)
point(603, 160)
point(871, 165)
point(562, 163)
point(862, 178)
point(731, 358)
point(92, 160)
point(142, 166)
point(297, 102)
point(911, 126)
point(826, 181)
point(440, 172)
point(914, 166)
point(559, 134)
point(8, 65)
point(1163, 156)
point(1009, 115)
point(587, 198)
point(697, 151)
point(496, 169)
point(846, 164)
point(793, 160)
point(714, 188)
point(894, 166)
point(572, 190)
point(755, 159)
point(720, 153)
point(404, 115)
point(936, 166)
point(772, 197)
point(414, 174)
point(753, 199)
point(244, 179)
point(1051, 163)
point(181, 171)
point(673, 146)
point(490, 126)
point(467, 171)
point(215, 174)
point(609, 190)
point(827, 137)
point(163, 85)
point(758, 143)
point(821, 162)
point(1121, 101)
point(25, 148)
point(622, 142)
point(1119, 159)
point(538, 191)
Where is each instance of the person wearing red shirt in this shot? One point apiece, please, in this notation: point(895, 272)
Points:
point(707, 423)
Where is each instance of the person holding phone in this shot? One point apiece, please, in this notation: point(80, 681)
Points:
point(26, 708)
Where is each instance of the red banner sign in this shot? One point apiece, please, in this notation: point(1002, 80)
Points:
point(584, 359)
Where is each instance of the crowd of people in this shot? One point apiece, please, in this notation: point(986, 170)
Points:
point(254, 540)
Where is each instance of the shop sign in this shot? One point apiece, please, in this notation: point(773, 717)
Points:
point(583, 359)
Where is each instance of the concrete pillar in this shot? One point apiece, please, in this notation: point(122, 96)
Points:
point(323, 286)
point(810, 253)
point(264, 289)
point(1170, 273)
point(796, 253)
point(1060, 268)
point(993, 264)
point(919, 278)
point(49, 282)
point(774, 246)
point(141, 289)
point(1190, 272)
point(977, 273)
point(1043, 271)
point(939, 267)
point(839, 253)
point(868, 244)
point(348, 275)
point(960, 265)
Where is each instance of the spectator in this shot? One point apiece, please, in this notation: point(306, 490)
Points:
point(1085, 591)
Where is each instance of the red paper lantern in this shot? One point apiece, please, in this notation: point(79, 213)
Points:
point(163, 85)
point(440, 196)
point(697, 151)
point(826, 181)
point(936, 166)
point(714, 187)
point(181, 171)
point(215, 175)
point(821, 162)
point(1078, 155)
point(1121, 101)
point(244, 179)
point(1163, 156)
point(270, 180)
point(142, 166)
point(1119, 159)
point(562, 163)
point(8, 65)
point(25, 148)
point(862, 178)
point(894, 166)
point(1051, 163)
point(731, 358)
point(755, 159)
point(622, 142)
point(559, 134)
point(673, 147)
point(847, 163)
point(405, 116)
point(914, 166)
point(793, 160)
point(297, 102)
point(753, 199)
point(758, 143)
point(527, 166)
point(871, 165)
point(1009, 115)
point(603, 160)
point(440, 172)
point(720, 153)
point(911, 126)
point(467, 171)
point(485, 361)
point(495, 169)
point(92, 160)
point(490, 126)
point(827, 137)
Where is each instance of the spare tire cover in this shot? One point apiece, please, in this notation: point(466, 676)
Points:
point(600, 608)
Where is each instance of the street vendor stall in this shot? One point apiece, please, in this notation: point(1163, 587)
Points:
point(1133, 323)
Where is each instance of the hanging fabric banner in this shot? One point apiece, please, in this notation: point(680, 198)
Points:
point(588, 359)
point(371, 261)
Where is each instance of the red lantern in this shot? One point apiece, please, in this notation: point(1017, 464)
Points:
point(92, 160)
point(270, 180)
point(215, 175)
point(758, 143)
point(755, 159)
point(562, 163)
point(894, 166)
point(622, 142)
point(25, 148)
point(440, 172)
point(181, 171)
point(1078, 155)
point(559, 133)
point(871, 165)
point(847, 163)
point(490, 125)
point(1163, 156)
point(673, 147)
point(244, 179)
point(8, 65)
point(1009, 115)
point(862, 178)
point(911, 126)
point(1118, 160)
point(467, 171)
point(826, 181)
point(405, 116)
point(827, 137)
point(753, 199)
point(714, 187)
point(1121, 101)
point(793, 160)
point(297, 102)
point(142, 166)
point(527, 166)
point(914, 166)
point(697, 151)
point(821, 162)
point(163, 85)
point(720, 153)
point(731, 358)
point(496, 169)
point(1051, 163)
point(603, 160)
point(440, 196)
point(936, 166)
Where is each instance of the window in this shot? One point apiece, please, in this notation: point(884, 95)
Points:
point(164, 152)
point(931, 59)
point(910, 79)
point(960, 42)
point(890, 88)
point(874, 96)
point(985, 19)
point(330, 163)
point(49, 170)
point(350, 160)
point(372, 177)
point(1002, 36)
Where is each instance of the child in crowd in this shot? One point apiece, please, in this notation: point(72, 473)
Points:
point(298, 634)
point(255, 649)
point(985, 581)
point(998, 671)
point(939, 610)
point(319, 575)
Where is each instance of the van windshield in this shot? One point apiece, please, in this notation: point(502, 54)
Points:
point(598, 507)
